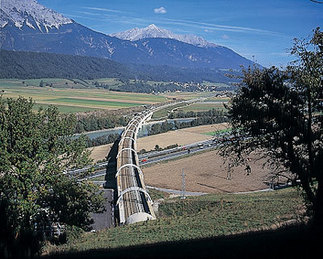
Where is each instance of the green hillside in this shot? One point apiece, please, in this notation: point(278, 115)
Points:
point(196, 218)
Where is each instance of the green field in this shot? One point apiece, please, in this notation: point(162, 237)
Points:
point(195, 218)
point(201, 107)
point(86, 102)
point(213, 133)
point(163, 113)
point(74, 95)
point(64, 108)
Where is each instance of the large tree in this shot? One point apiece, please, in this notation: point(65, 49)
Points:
point(35, 149)
point(280, 112)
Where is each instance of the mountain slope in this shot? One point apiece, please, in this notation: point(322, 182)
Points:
point(180, 54)
point(29, 26)
point(28, 65)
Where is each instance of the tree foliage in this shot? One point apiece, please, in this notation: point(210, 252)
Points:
point(35, 148)
point(280, 111)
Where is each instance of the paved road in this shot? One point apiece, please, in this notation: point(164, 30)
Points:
point(155, 157)
point(159, 156)
point(105, 219)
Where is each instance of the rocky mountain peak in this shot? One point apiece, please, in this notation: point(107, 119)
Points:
point(152, 31)
point(30, 13)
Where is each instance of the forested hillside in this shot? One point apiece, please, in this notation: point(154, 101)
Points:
point(30, 65)
point(25, 65)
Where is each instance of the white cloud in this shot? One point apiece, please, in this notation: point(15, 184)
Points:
point(218, 27)
point(160, 10)
point(103, 9)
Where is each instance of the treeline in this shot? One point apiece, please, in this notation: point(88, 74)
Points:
point(102, 140)
point(204, 118)
point(144, 87)
point(93, 122)
point(157, 148)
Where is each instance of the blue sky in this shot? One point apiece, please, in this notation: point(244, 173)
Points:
point(261, 30)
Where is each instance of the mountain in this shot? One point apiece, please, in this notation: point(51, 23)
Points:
point(28, 26)
point(31, 14)
point(29, 65)
point(152, 31)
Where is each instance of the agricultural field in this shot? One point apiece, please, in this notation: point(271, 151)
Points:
point(163, 113)
point(100, 152)
point(202, 107)
point(74, 95)
point(181, 137)
point(187, 95)
point(207, 172)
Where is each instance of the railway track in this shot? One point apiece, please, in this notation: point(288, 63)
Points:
point(134, 202)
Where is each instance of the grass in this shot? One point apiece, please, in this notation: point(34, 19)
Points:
point(85, 102)
point(200, 107)
point(196, 218)
point(164, 112)
point(187, 95)
point(213, 133)
point(98, 178)
point(65, 108)
point(155, 194)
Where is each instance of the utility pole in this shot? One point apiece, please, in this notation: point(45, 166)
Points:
point(183, 185)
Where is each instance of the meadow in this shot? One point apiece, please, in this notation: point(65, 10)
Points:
point(195, 218)
point(202, 107)
point(75, 95)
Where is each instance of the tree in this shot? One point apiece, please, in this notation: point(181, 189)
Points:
point(35, 149)
point(280, 111)
point(41, 84)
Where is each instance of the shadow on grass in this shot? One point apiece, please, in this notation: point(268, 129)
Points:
point(297, 241)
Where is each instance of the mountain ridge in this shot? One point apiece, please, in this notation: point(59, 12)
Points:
point(33, 27)
point(22, 12)
point(152, 31)
point(29, 65)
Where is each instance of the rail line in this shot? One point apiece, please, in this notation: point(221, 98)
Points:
point(134, 202)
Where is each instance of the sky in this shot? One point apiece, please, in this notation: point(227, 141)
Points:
point(260, 30)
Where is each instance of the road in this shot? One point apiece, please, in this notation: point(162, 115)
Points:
point(105, 219)
point(160, 156)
